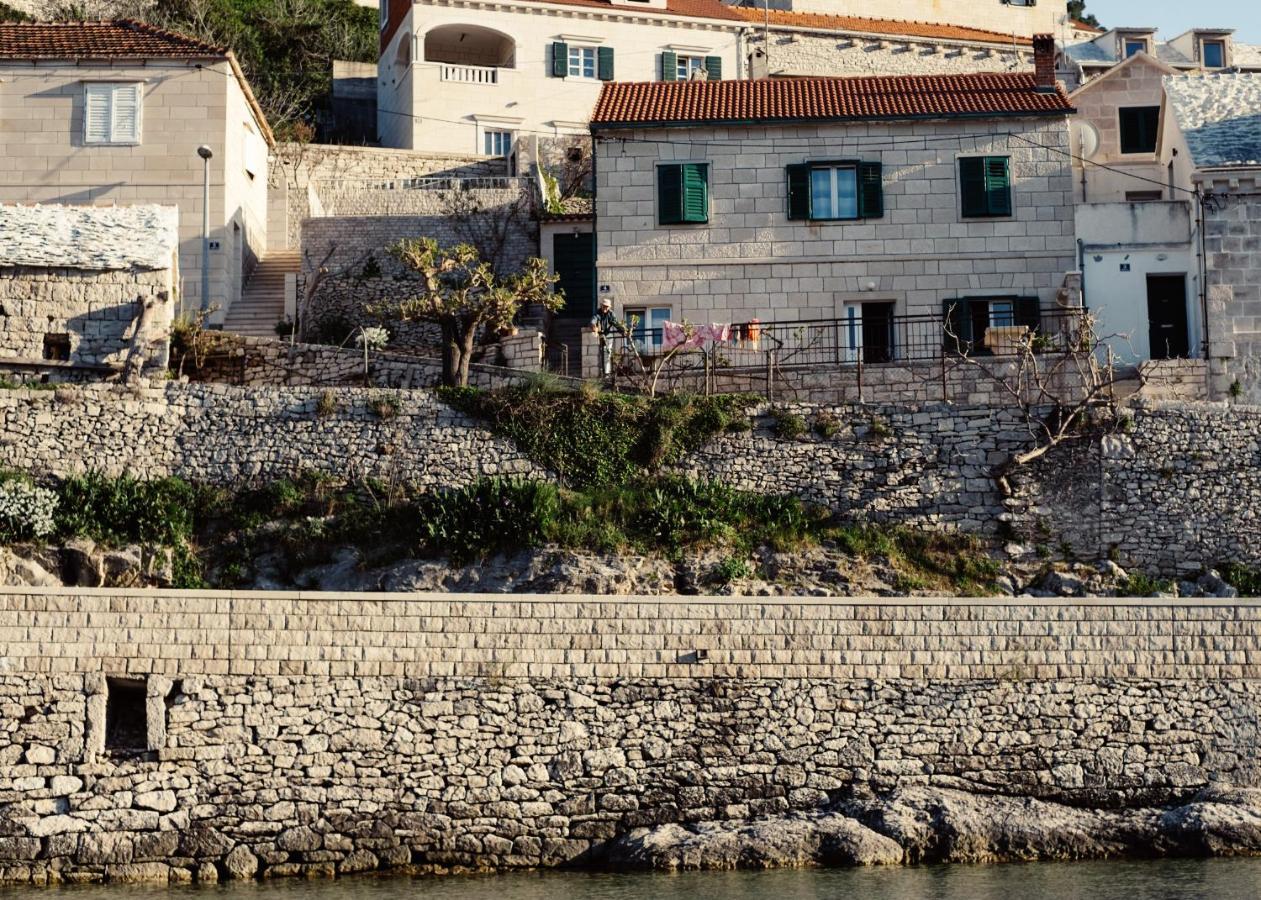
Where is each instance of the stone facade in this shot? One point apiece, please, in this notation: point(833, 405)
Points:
point(279, 735)
point(750, 261)
point(810, 51)
point(1232, 247)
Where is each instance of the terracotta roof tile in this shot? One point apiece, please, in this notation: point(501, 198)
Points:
point(700, 9)
point(829, 99)
point(884, 27)
point(123, 38)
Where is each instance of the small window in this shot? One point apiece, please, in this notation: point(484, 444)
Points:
point(496, 142)
point(126, 715)
point(835, 191)
point(111, 113)
point(688, 67)
point(1002, 313)
point(683, 193)
point(57, 347)
point(1133, 47)
point(985, 185)
point(582, 62)
point(1214, 54)
point(645, 324)
point(1143, 196)
point(1139, 125)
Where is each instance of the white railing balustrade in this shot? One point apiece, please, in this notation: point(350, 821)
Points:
point(469, 74)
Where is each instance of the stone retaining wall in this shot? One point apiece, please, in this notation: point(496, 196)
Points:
point(317, 734)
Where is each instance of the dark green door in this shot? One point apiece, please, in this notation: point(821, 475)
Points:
point(574, 258)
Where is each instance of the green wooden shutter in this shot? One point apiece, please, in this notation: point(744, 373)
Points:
point(695, 192)
point(798, 191)
point(870, 190)
point(669, 194)
point(713, 68)
point(972, 186)
point(998, 186)
point(956, 326)
point(604, 63)
point(1028, 312)
point(669, 66)
point(560, 59)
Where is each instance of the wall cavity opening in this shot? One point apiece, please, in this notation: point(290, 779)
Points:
point(126, 715)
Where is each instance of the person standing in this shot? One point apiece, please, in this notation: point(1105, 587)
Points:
point(606, 324)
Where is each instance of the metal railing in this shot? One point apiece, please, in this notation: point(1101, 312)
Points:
point(462, 74)
point(827, 344)
point(428, 183)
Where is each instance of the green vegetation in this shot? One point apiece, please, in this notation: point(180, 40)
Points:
point(788, 425)
point(1140, 584)
point(1243, 579)
point(12, 14)
point(598, 439)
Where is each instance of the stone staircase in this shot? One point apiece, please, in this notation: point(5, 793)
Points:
point(262, 302)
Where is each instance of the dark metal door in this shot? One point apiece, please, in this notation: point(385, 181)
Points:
point(573, 255)
point(1167, 316)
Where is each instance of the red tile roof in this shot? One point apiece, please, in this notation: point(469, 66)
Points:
point(825, 99)
point(883, 27)
point(120, 39)
point(697, 9)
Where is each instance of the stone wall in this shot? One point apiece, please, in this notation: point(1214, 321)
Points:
point(95, 312)
point(803, 51)
point(280, 734)
point(230, 435)
point(1232, 246)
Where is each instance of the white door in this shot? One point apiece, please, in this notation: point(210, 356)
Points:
point(850, 339)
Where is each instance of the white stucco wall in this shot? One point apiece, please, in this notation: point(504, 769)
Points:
point(47, 161)
point(527, 99)
point(751, 261)
point(1123, 243)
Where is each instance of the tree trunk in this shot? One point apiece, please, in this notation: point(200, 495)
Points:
point(467, 338)
point(450, 353)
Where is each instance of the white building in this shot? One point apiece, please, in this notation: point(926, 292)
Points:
point(469, 76)
point(102, 113)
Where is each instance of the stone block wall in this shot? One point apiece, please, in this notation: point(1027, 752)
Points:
point(95, 311)
point(277, 734)
point(802, 51)
point(1232, 246)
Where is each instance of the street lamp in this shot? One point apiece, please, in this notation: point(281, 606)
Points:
point(205, 153)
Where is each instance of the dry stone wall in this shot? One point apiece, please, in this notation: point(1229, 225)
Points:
point(288, 734)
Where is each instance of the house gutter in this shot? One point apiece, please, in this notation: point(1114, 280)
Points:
point(839, 120)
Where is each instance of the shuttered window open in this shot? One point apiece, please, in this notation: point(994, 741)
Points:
point(985, 186)
point(683, 193)
point(825, 191)
point(111, 113)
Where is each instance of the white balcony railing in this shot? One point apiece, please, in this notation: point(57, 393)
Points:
point(469, 74)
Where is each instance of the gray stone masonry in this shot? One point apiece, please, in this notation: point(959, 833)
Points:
point(749, 261)
point(325, 734)
point(1232, 244)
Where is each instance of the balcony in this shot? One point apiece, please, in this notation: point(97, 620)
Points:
point(462, 74)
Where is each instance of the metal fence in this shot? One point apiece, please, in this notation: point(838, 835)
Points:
point(760, 351)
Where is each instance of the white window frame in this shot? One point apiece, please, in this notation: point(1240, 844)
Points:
point(383, 14)
point(490, 136)
point(578, 55)
point(646, 342)
point(687, 63)
point(111, 93)
point(835, 198)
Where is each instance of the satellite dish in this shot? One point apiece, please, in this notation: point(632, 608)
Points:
point(1085, 140)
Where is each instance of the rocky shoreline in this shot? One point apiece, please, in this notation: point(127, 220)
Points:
point(915, 825)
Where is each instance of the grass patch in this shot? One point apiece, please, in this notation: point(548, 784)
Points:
point(1140, 584)
point(1243, 579)
point(600, 439)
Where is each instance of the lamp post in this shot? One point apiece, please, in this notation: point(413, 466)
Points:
point(205, 153)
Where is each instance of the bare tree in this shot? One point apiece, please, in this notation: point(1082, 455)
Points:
point(488, 228)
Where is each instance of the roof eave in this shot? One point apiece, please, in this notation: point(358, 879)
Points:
point(831, 120)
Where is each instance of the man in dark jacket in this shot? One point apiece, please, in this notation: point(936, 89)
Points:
point(606, 324)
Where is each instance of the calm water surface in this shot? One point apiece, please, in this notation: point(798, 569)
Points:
point(1219, 879)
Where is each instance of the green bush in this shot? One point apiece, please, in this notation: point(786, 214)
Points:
point(600, 439)
point(1246, 581)
point(124, 510)
point(787, 425)
point(493, 515)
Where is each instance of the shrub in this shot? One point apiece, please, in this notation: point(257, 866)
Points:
point(26, 511)
point(386, 406)
point(826, 425)
point(487, 517)
point(325, 404)
point(787, 425)
point(124, 510)
point(732, 568)
point(1246, 581)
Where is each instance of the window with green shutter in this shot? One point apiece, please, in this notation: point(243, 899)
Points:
point(605, 64)
point(713, 68)
point(826, 191)
point(560, 59)
point(966, 321)
point(683, 193)
point(985, 186)
point(669, 66)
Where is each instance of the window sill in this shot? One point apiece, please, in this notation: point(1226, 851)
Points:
point(111, 143)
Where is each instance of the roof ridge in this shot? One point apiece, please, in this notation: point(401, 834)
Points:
point(751, 14)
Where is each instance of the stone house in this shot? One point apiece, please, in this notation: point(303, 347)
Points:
point(81, 287)
point(874, 199)
point(1212, 148)
point(1196, 50)
point(99, 113)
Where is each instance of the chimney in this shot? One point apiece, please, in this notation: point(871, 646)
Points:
point(1044, 62)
